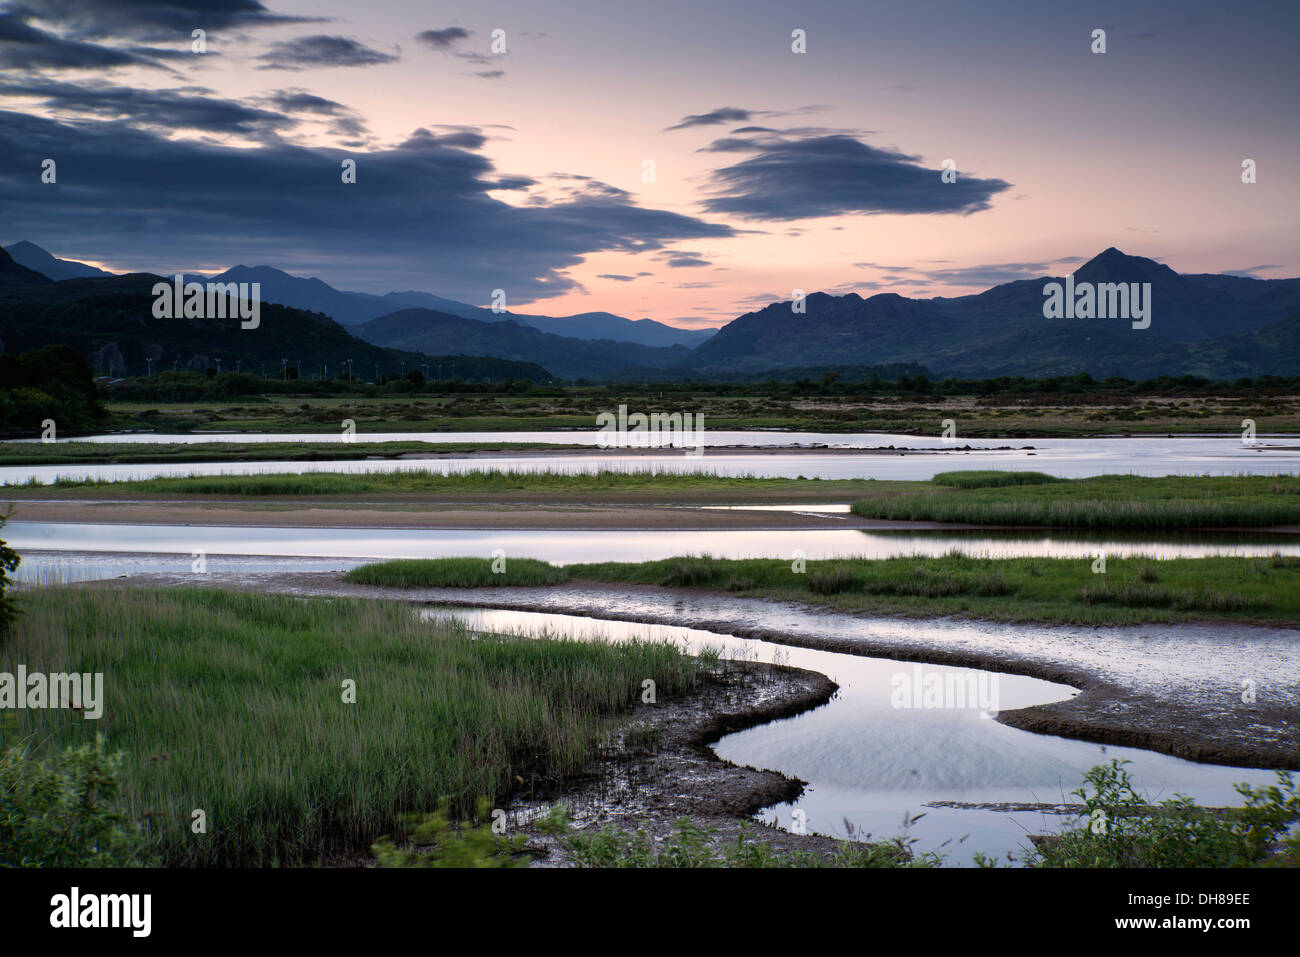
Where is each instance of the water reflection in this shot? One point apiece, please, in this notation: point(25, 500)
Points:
point(565, 547)
point(870, 762)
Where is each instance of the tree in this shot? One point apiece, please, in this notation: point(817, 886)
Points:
point(8, 562)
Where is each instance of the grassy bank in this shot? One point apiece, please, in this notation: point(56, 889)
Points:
point(1050, 590)
point(1108, 501)
point(486, 481)
point(233, 703)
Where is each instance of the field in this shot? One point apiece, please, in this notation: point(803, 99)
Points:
point(791, 406)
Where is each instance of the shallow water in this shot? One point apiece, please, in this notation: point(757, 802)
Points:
point(1067, 458)
point(870, 762)
point(567, 546)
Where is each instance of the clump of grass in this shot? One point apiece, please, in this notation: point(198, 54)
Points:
point(994, 583)
point(456, 573)
point(928, 586)
point(991, 479)
point(1148, 573)
point(1135, 595)
point(691, 572)
point(833, 581)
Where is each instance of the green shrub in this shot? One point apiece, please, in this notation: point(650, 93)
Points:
point(9, 561)
point(432, 840)
point(65, 811)
point(1122, 829)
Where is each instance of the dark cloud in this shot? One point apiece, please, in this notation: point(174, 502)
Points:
point(188, 108)
point(25, 47)
point(681, 259)
point(1249, 271)
point(733, 114)
point(443, 39)
point(345, 122)
point(724, 114)
point(797, 176)
point(322, 51)
point(152, 19)
point(491, 74)
point(616, 277)
point(993, 274)
point(419, 216)
point(301, 101)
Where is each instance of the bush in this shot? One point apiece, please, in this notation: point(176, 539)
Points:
point(9, 561)
point(1123, 830)
point(65, 811)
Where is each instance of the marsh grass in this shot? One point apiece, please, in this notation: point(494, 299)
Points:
point(455, 573)
point(1108, 501)
point(1007, 589)
point(991, 479)
point(232, 703)
point(486, 480)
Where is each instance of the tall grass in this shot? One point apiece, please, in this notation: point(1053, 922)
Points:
point(478, 480)
point(991, 479)
point(1109, 501)
point(233, 703)
point(455, 573)
point(1008, 589)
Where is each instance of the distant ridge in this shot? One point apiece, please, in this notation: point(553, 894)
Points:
point(35, 258)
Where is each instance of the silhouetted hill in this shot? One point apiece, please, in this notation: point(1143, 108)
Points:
point(1196, 320)
point(109, 320)
point(352, 308)
point(37, 259)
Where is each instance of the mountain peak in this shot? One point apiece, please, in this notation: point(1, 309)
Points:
point(1113, 265)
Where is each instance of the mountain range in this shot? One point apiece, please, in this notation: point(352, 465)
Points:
point(352, 308)
point(1207, 324)
point(109, 320)
point(1217, 326)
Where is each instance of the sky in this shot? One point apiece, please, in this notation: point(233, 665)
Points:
point(681, 161)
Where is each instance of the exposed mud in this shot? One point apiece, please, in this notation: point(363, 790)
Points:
point(660, 767)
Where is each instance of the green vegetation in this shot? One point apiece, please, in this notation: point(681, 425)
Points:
point(487, 481)
point(991, 479)
point(456, 572)
point(1123, 829)
point(1058, 590)
point(1108, 501)
point(53, 383)
point(694, 846)
point(1120, 828)
point(9, 562)
point(895, 400)
point(66, 810)
point(235, 703)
